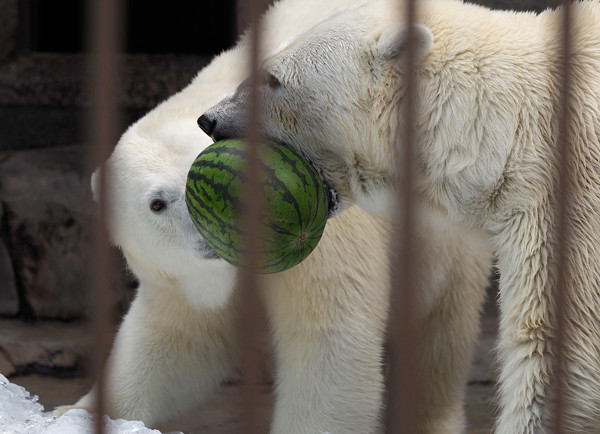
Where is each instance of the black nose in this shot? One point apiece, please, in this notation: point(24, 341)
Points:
point(207, 124)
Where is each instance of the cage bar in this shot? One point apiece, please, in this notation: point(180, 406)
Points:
point(403, 382)
point(253, 315)
point(562, 193)
point(104, 37)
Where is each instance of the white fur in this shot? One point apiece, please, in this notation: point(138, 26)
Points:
point(327, 314)
point(488, 121)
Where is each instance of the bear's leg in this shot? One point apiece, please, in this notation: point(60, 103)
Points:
point(327, 381)
point(525, 318)
point(449, 336)
point(455, 271)
point(328, 339)
point(525, 375)
point(165, 359)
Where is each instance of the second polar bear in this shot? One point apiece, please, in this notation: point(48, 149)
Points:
point(489, 91)
point(327, 315)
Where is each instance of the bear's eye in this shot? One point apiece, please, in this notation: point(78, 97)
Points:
point(158, 205)
point(273, 81)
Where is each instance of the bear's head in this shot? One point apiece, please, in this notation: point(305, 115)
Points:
point(147, 216)
point(333, 94)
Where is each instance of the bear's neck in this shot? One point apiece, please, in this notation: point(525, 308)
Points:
point(492, 76)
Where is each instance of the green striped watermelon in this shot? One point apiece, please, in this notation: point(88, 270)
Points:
point(296, 204)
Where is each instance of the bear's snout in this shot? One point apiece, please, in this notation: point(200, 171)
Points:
point(207, 124)
point(217, 130)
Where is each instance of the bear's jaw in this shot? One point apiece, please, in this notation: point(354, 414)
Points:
point(210, 285)
point(377, 202)
point(204, 251)
point(334, 204)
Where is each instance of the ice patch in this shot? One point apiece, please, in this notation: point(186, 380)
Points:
point(20, 413)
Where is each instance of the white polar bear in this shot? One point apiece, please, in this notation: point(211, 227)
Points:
point(327, 315)
point(489, 86)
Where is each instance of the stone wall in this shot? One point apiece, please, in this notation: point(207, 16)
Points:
point(46, 209)
point(45, 218)
point(45, 203)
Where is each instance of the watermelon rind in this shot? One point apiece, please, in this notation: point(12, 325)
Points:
point(295, 202)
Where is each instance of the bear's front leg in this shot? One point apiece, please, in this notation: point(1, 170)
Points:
point(454, 273)
point(328, 318)
point(526, 305)
point(328, 380)
point(166, 357)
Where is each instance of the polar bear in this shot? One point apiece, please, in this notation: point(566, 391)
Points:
point(327, 315)
point(489, 86)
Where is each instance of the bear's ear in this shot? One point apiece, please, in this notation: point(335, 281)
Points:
point(392, 45)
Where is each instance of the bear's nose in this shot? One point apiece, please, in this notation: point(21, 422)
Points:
point(208, 125)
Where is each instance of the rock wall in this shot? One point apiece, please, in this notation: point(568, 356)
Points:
point(46, 214)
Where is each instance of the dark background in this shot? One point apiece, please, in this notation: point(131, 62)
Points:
point(184, 27)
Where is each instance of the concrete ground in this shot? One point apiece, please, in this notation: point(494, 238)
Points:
point(221, 413)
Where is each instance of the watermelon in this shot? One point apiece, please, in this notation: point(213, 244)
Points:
point(295, 199)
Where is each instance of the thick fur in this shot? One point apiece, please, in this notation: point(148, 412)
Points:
point(327, 315)
point(489, 89)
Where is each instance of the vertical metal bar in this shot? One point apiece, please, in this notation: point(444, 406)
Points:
point(562, 195)
point(103, 39)
point(253, 311)
point(403, 383)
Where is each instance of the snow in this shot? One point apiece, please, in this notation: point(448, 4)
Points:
point(20, 413)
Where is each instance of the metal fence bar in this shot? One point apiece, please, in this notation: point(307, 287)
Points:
point(253, 324)
point(104, 39)
point(403, 383)
point(563, 189)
